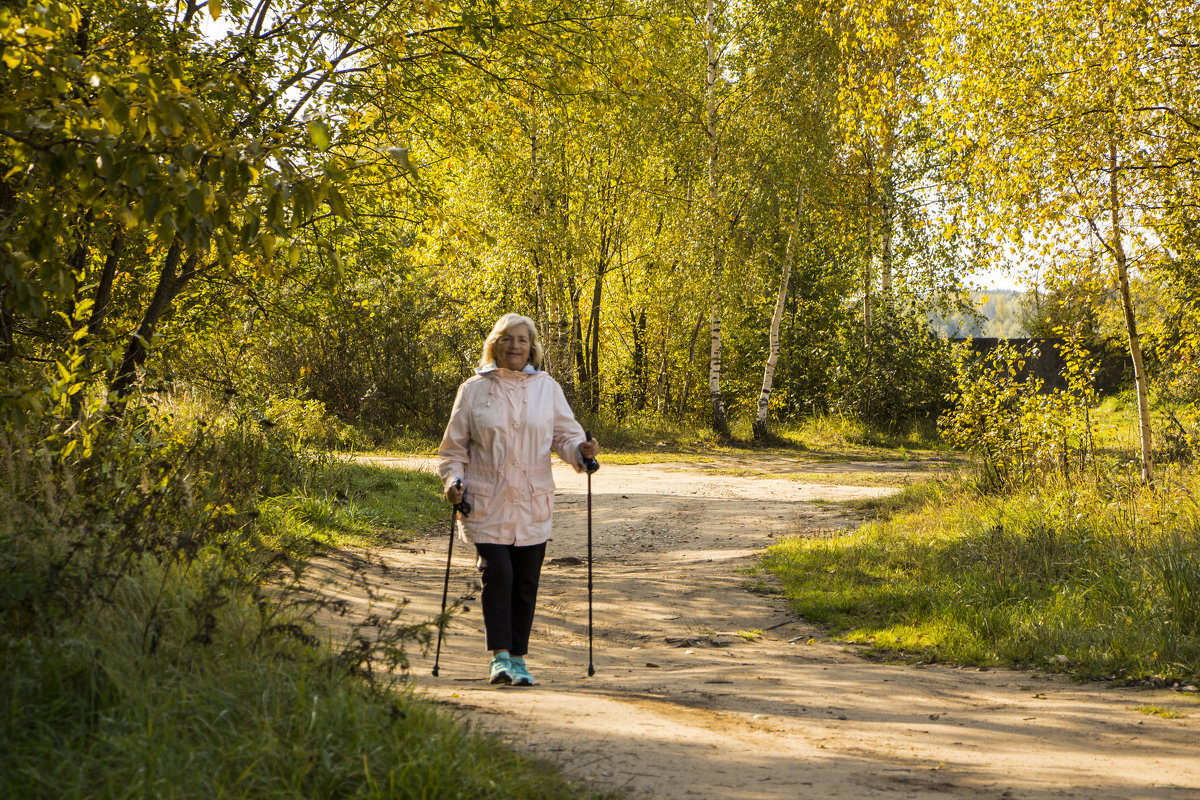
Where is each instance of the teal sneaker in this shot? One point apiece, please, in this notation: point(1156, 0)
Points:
point(501, 670)
point(520, 675)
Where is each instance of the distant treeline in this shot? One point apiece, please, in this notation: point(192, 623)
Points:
point(999, 313)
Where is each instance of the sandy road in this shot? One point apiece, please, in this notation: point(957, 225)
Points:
point(682, 706)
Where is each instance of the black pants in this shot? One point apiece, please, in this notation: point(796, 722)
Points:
point(510, 585)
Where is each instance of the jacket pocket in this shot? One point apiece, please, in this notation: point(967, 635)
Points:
point(480, 499)
point(542, 499)
point(542, 507)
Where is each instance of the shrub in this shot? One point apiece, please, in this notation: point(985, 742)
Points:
point(897, 372)
point(1019, 429)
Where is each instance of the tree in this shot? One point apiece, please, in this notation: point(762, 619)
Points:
point(1066, 122)
point(125, 126)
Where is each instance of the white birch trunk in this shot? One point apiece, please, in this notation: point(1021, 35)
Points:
point(1135, 349)
point(887, 212)
point(764, 397)
point(719, 424)
point(868, 279)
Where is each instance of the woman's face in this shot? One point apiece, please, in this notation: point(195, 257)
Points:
point(512, 351)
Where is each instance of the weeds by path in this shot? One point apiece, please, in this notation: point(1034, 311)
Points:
point(1096, 581)
point(156, 641)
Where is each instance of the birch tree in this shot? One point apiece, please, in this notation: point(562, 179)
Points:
point(768, 382)
point(1061, 118)
point(720, 424)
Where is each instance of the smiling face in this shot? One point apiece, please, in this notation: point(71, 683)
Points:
point(512, 350)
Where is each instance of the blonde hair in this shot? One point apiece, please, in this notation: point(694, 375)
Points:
point(502, 326)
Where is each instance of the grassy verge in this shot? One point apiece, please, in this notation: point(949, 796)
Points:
point(157, 641)
point(251, 711)
point(1102, 581)
point(652, 439)
point(349, 504)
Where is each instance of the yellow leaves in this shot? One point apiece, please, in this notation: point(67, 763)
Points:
point(214, 9)
point(318, 133)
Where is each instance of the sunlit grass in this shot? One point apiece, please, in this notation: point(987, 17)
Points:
point(838, 432)
point(1069, 577)
point(1115, 422)
point(1161, 711)
point(649, 436)
point(410, 444)
point(354, 504)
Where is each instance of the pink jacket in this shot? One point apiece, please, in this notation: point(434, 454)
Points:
point(498, 441)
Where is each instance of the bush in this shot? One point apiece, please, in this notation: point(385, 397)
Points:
point(157, 641)
point(896, 373)
point(1020, 430)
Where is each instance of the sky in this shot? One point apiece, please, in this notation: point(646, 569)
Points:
point(995, 279)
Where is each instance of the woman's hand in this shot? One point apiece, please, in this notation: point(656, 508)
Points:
point(454, 493)
point(589, 448)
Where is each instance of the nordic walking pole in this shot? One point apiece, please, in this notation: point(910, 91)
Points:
point(591, 465)
point(465, 508)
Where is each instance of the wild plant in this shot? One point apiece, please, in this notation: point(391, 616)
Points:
point(1020, 429)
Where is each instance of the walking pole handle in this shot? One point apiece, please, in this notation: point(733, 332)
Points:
point(462, 506)
point(590, 464)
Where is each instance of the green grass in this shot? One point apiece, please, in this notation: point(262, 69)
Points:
point(837, 432)
point(412, 444)
point(353, 504)
point(913, 495)
point(1161, 711)
point(1096, 581)
point(1115, 423)
point(157, 639)
point(254, 711)
point(649, 438)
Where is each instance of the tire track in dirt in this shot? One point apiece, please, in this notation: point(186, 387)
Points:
point(681, 706)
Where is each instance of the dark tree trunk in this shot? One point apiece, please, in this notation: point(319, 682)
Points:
point(687, 380)
point(8, 346)
point(104, 288)
point(582, 382)
point(594, 344)
point(640, 380)
point(169, 284)
point(8, 207)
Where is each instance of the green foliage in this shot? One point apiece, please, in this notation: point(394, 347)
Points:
point(1021, 430)
point(1096, 581)
point(158, 638)
point(236, 706)
point(372, 354)
point(895, 372)
point(84, 506)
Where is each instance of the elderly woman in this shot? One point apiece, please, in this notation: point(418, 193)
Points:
point(496, 450)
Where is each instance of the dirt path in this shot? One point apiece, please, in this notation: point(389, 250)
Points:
point(681, 706)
